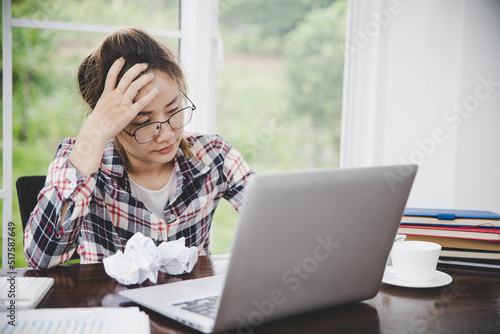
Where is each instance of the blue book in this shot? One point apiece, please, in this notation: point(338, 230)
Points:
point(450, 217)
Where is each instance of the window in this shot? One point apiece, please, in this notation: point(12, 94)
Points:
point(49, 40)
point(280, 87)
point(277, 98)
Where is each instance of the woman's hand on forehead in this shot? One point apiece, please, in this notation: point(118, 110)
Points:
point(118, 106)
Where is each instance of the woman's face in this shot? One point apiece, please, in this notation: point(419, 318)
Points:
point(164, 148)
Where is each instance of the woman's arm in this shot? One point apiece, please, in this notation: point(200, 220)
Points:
point(115, 109)
point(52, 231)
point(47, 241)
point(237, 173)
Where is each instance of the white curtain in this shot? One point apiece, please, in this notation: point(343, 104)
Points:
point(422, 85)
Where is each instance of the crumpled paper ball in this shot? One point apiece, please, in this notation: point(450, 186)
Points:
point(141, 260)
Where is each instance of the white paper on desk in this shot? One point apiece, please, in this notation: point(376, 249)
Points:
point(176, 258)
point(128, 320)
point(141, 260)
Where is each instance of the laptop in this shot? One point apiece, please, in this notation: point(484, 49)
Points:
point(305, 241)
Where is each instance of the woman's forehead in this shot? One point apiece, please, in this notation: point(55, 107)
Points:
point(168, 89)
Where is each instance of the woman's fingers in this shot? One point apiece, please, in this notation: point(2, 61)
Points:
point(127, 78)
point(132, 90)
point(144, 101)
point(112, 75)
point(130, 76)
point(123, 101)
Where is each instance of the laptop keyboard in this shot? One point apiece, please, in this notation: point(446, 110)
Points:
point(203, 306)
point(26, 292)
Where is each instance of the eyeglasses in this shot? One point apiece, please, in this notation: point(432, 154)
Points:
point(149, 132)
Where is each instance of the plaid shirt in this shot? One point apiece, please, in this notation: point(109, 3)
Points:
point(102, 214)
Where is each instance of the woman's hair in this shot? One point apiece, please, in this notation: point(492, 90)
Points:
point(135, 46)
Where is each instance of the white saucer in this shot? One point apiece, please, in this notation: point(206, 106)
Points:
point(440, 279)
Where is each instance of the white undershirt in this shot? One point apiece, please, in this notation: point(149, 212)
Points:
point(155, 200)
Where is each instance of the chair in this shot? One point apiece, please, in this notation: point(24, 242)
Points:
point(28, 188)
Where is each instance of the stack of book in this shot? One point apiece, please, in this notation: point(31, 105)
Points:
point(467, 237)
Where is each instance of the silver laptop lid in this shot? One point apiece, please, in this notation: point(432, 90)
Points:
point(310, 240)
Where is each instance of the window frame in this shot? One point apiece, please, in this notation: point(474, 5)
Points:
point(197, 34)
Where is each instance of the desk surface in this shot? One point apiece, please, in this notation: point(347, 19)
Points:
point(471, 304)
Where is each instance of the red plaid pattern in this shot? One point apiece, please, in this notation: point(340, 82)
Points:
point(103, 215)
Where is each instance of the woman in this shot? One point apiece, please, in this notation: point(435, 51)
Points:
point(131, 168)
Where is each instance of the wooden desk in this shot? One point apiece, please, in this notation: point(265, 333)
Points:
point(471, 304)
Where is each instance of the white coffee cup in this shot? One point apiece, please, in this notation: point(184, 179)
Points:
point(415, 261)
